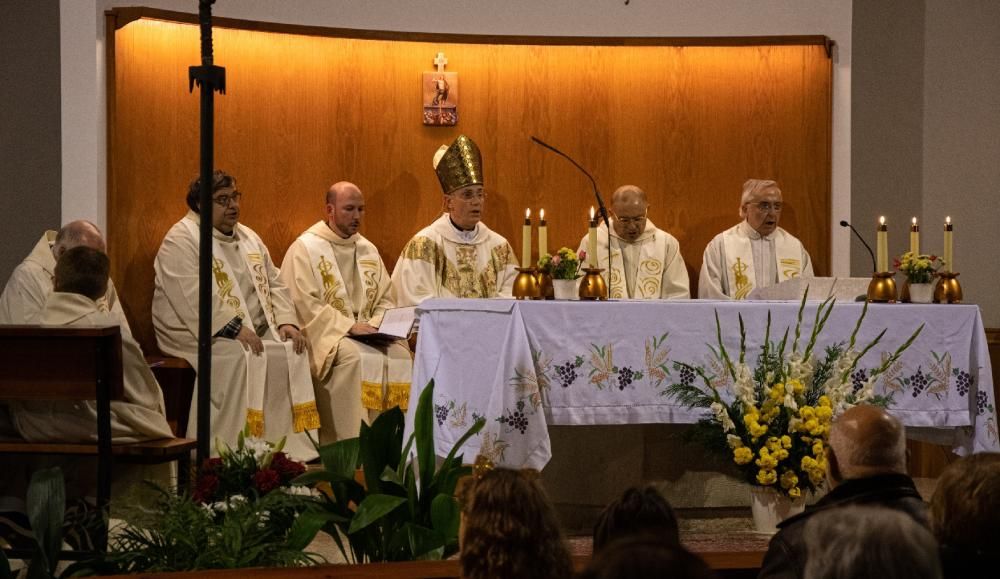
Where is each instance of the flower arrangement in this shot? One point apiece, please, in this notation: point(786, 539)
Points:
point(565, 264)
point(773, 419)
point(256, 467)
point(918, 268)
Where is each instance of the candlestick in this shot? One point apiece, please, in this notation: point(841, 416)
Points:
point(882, 246)
point(949, 248)
point(592, 241)
point(543, 235)
point(526, 240)
point(915, 238)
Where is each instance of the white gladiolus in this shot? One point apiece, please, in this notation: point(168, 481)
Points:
point(722, 415)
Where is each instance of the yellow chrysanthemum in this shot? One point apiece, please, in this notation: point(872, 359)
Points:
point(824, 413)
point(795, 492)
point(797, 387)
point(742, 455)
point(767, 476)
point(777, 392)
point(807, 412)
point(786, 441)
point(824, 400)
point(817, 448)
point(789, 479)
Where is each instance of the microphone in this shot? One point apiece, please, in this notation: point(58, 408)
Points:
point(603, 211)
point(844, 223)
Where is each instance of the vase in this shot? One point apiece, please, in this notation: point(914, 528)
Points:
point(565, 289)
point(921, 293)
point(770, 507)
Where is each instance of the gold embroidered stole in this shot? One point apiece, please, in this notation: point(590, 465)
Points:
point(648, 278)
point(739, 264)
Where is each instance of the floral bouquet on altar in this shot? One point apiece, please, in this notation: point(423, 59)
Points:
point(565, 264)
point(772, 417)
point(918, 268)
point(255, 467)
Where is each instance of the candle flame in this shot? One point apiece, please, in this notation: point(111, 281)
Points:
point(881, 220)
point(541, 214)
point(591, 212)
point(527, 213)
point(914, 220)
point(947, 220)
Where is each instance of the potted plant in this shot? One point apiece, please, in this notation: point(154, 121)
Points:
point(564, 267)
point(919, 270)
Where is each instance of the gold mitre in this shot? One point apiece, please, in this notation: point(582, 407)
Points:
point(459, 165)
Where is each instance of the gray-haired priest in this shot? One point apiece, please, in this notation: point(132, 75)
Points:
point(341, 289)
point(457, 256)
point(756, 253)
point(260, 367)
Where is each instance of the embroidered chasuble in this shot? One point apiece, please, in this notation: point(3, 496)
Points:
point(739, 259)
point(140, 416)
point(441, 261)
point(335, 283)
point(649, 268)
point(272, 393)
point(30, 285)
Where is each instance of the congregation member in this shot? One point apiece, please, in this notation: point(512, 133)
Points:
point(646, 261)
point(30, 285)
point(639, 511)
point(260, 366)
point(756, 253)
point(965, 515)
point(457, 256)
point(341, 289)
point(645, 557)
point(866, 465)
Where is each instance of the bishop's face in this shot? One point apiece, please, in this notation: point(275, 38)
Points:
point(763, 210)
point(226, 209)
point(465, 205)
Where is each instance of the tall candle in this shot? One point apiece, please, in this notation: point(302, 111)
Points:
point(526, 240)
point(949, 256)
point(915, 238)
point(592, 241)
point(882, 246)
point(543, 235)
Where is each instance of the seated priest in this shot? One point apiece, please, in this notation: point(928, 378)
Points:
point(340, 288)
point(646, 262)
point(81, 281)
point(260, 367)
point(756, 253)
point(457, 256)
point(30, 285)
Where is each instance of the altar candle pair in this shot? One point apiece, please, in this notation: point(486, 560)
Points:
point(543, 238)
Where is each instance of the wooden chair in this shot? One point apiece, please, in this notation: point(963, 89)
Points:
point(72, 364)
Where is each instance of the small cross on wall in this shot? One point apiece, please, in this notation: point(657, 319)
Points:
point(440, 62)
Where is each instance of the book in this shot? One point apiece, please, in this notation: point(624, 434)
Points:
point(396, 325)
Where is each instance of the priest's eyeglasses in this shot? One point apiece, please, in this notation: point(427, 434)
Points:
point(767, 207)
point(224, 200)
point(470, 195)
point(638, 220)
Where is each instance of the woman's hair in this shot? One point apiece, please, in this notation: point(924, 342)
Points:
point(640, 510)
point(645, 556)
point(965, 507)
point(510, 530)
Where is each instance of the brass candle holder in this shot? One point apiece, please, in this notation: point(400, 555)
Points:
point(882, 288)
point(545, 289)
point(593, 286)
point(526, 284)
point(947, 290)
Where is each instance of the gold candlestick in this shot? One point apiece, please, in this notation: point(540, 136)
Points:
point(546, 291)
point(947, 290)
point(593, 286)
point(525, 284)
point(882, 288)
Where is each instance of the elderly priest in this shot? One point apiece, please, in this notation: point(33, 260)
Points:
point(340, 288)
point(457, 256)
point(756, 253)
point(260, 367)
point(646, 262)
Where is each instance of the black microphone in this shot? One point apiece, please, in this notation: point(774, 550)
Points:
point(844, 223)
point(603, 211)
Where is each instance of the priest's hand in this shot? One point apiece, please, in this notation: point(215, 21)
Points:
point(361, 328)
point(299, 342)
point(250, 340)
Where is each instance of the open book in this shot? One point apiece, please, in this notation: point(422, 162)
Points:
point(396, 325)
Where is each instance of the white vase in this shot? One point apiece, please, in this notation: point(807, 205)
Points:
point(921, 293)
point(770, 507)
point(566, 289)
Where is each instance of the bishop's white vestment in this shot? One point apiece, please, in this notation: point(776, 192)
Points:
point(739, 260)
point(649, 268)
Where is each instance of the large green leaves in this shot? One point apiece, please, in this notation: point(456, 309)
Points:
point(46, 508)
point(373, 508)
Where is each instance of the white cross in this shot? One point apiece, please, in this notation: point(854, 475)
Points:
point(440, 62)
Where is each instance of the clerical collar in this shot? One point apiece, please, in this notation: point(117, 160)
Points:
point(337, 239)
point(466, 235)
point(754, 234)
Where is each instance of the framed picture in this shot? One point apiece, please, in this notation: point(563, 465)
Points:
point(440, 98)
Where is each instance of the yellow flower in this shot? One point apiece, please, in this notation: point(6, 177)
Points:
point(767, 476)
point(782, 454)
point(789, 479)
point(811, 426)
point(777, 392)
point(824, 413)
point(773, 443)
point(766, 460)
point(817, 448)
point(795, 492)
point(742, 455)
point(824, 400)
point(796, 387)
point(807, 412)
point(786, 441)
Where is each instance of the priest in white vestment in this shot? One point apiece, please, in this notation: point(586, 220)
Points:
point(646, 262)
point(260, 366)
point(457, 256)
point(341, 288)
point(756, 253)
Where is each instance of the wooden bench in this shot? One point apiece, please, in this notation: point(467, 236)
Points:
point(72, 364)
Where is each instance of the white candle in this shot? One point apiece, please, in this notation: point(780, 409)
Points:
point(915, 238)
point(882, 246)
point(543, 235)
point(592, 239)
point(526, 240)
point(949, 248)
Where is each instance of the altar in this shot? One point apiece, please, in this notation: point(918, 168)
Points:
point(525, 365)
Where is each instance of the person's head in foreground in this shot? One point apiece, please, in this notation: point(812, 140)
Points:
point(75, 234)
point(866, 441)
point(965, 515)
point(82, 270)
point(645, 557)
point(639, 511)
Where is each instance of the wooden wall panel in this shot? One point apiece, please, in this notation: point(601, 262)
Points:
point(687, 123)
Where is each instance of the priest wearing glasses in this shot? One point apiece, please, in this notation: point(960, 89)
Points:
point(457, 256)
point(756, 253)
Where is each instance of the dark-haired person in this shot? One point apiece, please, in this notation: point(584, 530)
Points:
point(645, 557)
point(260, 366)
point(639, 511)
point(965, 516)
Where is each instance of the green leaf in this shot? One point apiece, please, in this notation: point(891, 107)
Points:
point(306, 526)
point(381, 446)
point(341, 458)
point(4, 567)
point(46, 508)
point(373, 508)
point(445, 515)
point(425, 544)
point(423, 428)
point(472, 431)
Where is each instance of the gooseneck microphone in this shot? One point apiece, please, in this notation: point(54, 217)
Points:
point(602, 210)
point(844, 223)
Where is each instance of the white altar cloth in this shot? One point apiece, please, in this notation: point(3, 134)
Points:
point(523, 365)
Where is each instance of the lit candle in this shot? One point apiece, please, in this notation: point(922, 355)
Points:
point(882, 246)
point(592, 245)
point(526, 240)
point(915, 238)
point(948, 246)
point(543, 235)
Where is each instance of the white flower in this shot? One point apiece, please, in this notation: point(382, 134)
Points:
point(789, 402)
point(734, 441)
point(299, 490)
point(743, 388)
point(259, 447)
point(722, 415)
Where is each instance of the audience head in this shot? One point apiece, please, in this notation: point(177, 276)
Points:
point(965, 511)
point(862, 541)
point(75, 234)
point(866, 441)
point(638, 511)
point(345, 208)
point(760, 205)
point(225, 200)
point(509, 529)
point(645, 557)
point(82, 270)
point(459, 168)
point(629, 205)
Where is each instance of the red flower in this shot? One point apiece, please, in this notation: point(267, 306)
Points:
point(205, 488)
point(211, 465)
point(287, 468)
point(266, 480)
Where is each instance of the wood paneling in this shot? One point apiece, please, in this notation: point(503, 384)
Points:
point(686, 123)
